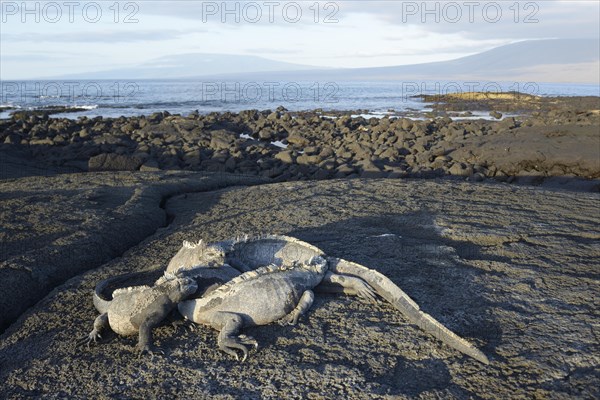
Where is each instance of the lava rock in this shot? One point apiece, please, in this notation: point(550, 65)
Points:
point(114, 162)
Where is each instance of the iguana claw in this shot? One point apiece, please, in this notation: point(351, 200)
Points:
point(240, 342)
point(147, 349)
point(290, 319)
point(177, 324)
point(364, 291)
point(92, 336)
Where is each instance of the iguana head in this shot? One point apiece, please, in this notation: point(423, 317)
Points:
point(196, 254)
point(178, 289)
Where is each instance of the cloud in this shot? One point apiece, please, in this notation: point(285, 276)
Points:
point(480, 19)
point(476, 20)
point(97, 37)
point(487, 19)
point(265, 50)
point(28, 57)
point(281, 13)
point(38, 56)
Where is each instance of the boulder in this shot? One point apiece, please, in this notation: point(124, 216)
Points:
point(308, 160)
point(296, 139)
point(221, 139)
point(285, 156)
point(460, 169)
point(266, 134)
point(12, 138)
point(150, 166)
point(114, 162)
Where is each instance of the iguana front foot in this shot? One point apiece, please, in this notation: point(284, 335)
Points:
point(93, 336)
point(177, 324)
point(305, 302)
point(290, 319)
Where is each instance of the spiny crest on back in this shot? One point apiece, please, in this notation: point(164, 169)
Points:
point(244, 237)
point(283, 238)
point(192, 245)
point(247, 276)
point(316, 264)
point(247, 238)
point(196, 254)
point(167, 276)
point(129, 290)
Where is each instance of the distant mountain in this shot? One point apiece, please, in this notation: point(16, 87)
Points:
point(513, 62)
point(549, 60)
point(516, 56)
point(193, 65)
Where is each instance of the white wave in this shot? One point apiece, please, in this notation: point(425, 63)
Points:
point(383, 235)
point(87, 107)
point(279, 144)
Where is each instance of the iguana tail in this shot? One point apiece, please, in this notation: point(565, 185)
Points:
point(393, 294)
point(105, 288)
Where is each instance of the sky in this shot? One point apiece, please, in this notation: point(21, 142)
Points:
point(41, 39)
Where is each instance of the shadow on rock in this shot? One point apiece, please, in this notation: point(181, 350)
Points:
point(409, 249)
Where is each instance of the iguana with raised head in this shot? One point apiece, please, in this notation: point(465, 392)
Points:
point(284, 287)
point(136, 302)
point(227, 259)
point(138, 309)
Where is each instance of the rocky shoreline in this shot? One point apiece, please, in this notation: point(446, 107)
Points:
point(551, 138)
point(511, 268)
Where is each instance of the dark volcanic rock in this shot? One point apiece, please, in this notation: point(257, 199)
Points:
point(221, 139)
point(513, 270)
point(57, 227)
point(114, 162)
point(559, 139)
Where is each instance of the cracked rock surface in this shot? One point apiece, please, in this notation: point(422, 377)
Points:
point(512, 269)
point(56, 227)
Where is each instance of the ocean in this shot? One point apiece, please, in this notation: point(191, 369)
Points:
point(115, 98)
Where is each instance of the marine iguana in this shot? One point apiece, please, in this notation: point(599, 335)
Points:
point(224, 260)
point(138, 309)
point(286, 271)
point(141, 300)
point(209, 266)
point(259, 297)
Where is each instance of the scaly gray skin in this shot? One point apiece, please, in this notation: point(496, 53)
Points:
point(268, 294)
point(224, 260)
point(194, 255)
point(138, 309)
point(203, 263)
point(266, 285)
